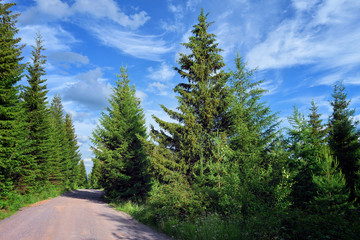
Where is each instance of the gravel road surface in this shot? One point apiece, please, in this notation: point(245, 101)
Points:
point(76, 215)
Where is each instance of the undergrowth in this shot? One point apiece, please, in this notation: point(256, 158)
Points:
point(15, 200)
point(210, 226)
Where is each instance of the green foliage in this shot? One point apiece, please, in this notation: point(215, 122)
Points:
point(118, 146)
point(175, 200)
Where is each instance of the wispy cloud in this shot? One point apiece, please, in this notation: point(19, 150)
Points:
point(324, 34)
point(149, 47)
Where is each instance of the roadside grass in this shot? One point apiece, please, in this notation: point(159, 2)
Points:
point(15, 200)
point(211, 226)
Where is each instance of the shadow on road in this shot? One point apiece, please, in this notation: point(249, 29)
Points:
point(92, 195)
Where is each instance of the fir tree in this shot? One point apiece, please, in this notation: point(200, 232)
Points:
point(117, 143)
point(203, 103)
point(10, 119)
point(37, 114)
point(344, 136)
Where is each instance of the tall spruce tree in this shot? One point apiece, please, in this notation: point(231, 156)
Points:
point(59, 163)
point(203, 105)
point(117, 143)
point(11, 126)
point(344, 136)
point(73, 153)
point(37, 114)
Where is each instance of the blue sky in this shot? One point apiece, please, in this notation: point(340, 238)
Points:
point(300, 48)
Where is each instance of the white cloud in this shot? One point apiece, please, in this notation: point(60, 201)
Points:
point(148, 47)
point(163, 73)
point(90, 90)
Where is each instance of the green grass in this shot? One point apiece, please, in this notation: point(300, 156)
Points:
point(15, 201)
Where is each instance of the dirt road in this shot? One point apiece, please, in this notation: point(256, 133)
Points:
point(77, 215)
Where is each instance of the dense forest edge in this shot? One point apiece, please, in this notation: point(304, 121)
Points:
point(222, 169)
point(39, 152)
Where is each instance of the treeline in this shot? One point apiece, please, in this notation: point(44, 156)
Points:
point(38, 145)
point(224, 169)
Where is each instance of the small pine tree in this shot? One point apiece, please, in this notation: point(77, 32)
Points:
point(344, 137)
point(117, 143)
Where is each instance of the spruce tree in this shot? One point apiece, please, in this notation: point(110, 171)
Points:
point(73, 153)
point(117, 143)
point(203, 105)
point(302, 159)
point(318, 130)
point(253, 125)
point(59, 163)
point(11, 126)
point(95, 175)
point(37, 114)
point(82, 178)
point(344, 136)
